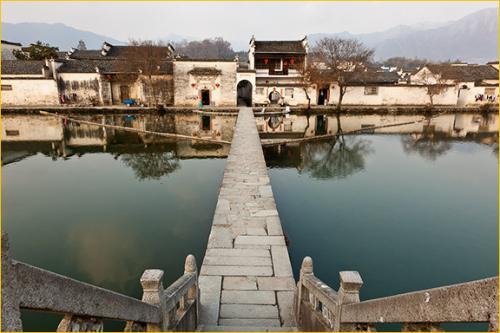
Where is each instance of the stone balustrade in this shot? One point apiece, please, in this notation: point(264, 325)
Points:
point(85, 306)
point(320, 308)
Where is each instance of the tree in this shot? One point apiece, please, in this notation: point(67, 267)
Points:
point(37, 51)
point(81, 45)
point(433, 83)
point(151, 165)
point(335, 159)
point(313, 76)
point(215, 48)
point(339, 60)
point(148, 58)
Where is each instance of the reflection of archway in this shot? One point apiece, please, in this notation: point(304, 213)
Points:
point(244, 93)
point(274, 97)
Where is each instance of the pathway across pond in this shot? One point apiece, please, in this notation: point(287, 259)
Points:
point(246, 280)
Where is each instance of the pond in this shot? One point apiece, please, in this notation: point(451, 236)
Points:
point(409, 207)
point(103, 206)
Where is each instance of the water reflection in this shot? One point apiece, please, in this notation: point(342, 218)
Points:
point(345, 155)
point(151, 165)
point(335, 159)
point(151, 157)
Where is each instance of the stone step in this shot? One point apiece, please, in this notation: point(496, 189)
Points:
point(224, 328)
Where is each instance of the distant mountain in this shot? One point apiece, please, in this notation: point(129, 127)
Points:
point(472, 38)
point(58, 34)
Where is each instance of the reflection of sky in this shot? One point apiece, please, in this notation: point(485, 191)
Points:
point(91, 219)
point(405, 223)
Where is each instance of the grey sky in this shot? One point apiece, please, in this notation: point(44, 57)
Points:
point(235, 22)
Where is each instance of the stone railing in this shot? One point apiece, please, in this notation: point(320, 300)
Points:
point(85, 306)
point(320, 308)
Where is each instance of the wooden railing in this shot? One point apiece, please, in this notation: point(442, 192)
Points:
point(320, 308)
point(85, 306)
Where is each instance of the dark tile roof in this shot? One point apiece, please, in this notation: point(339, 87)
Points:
point(282, 46)
point(372, 77)
point(205, 71)
point(86, 54)
point(105, 66)
point(22, 67)
point(467, 73)
point(10, 43)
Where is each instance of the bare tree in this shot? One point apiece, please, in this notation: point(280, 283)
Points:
point(216, 48)
point(433, 83)
point(148, 58)
point(339, 60)
point(312, 76)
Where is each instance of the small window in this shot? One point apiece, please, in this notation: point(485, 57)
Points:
point(289, 92)
point(6, 87)
point(205, 123)
point(259, 91)
point(12, 132)
point(489, 91)
point(371, 90)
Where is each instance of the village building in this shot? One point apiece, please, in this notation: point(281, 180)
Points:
point(110, 82)
point(474, 84)
point(385, 88)
point(8, 49)
point(29, 82)
point(204, 82)
point(278, 78)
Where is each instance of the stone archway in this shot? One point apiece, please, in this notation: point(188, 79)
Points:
point(244, 93)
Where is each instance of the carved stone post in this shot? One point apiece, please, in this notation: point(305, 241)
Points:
point(11, 313)
point(193, 293)
point(305, 270)
point(153, 293)
point(350, 284)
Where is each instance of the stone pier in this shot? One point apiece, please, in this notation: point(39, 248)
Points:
point(246, 280)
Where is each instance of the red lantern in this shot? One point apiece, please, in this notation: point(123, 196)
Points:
point(292, 61)
point(193, 85)
point(217, 85)
point(266, 61)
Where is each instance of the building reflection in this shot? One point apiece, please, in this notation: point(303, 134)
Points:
point(342, 156)
point(150, 156)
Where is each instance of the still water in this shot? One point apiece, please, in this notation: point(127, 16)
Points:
point(409, 207)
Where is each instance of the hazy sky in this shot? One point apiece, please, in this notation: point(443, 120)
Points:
point(234, 21)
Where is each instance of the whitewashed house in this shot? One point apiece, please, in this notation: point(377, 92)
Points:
point(277, 66)
point(204, 82)
point(474, 84)
point(29, 82)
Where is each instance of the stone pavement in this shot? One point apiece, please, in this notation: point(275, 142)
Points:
point(246, 280)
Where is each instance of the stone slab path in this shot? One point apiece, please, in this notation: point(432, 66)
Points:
point(246, 280)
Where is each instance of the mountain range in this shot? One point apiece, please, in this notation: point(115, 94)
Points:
point(473, 38)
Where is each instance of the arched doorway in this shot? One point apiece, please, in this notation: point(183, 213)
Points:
point(244, 93)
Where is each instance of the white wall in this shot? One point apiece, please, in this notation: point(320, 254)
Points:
point(30, 92)
point(81, 88)
point(393, 95)
point(31, 128)
point(187, 87)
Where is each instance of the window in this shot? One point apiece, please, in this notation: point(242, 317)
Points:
point(6, 87)
point(259, 91)
point(12, 132)
point(289, 92)
point(205, 123)
point(489, 91)
point(371, 90)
